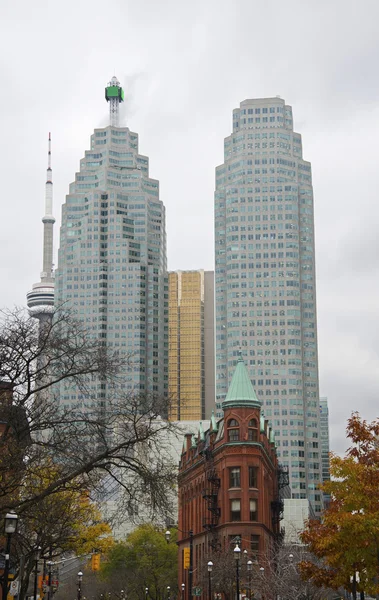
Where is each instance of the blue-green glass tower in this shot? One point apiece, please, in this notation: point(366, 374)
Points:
point(265, 281)
point(112, 257)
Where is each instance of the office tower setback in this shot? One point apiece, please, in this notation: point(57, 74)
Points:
point(40, 299)
point(112, 256)
point(265, 281)
point(191, 344)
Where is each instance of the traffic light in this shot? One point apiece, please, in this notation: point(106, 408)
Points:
point(95, 562)
point(186, 558)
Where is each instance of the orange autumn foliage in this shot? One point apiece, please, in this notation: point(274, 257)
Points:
point(346, 540)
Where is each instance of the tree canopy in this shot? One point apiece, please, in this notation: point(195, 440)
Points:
point(144, 560)
point(346, 541)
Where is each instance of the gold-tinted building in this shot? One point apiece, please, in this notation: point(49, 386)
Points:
point(191, 344)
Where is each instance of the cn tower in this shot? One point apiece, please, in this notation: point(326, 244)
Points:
point(40, 299)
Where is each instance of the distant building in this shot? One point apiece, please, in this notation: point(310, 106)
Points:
point(228, 480)
point(324, 433)
point(191, 375)
point(6, 397)
point(171, 450)
point(295, 514)
point(14, 437)
point(266, 281)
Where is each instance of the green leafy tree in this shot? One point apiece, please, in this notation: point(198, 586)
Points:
point(143, 560)
point(346, 541)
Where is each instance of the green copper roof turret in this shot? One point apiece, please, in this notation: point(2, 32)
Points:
point(193, 441)
point(241, 391)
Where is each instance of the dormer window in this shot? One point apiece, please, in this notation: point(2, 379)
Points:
point(233, 430)
point(253, 430)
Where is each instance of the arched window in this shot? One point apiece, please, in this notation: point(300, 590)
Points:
point(253, 430)
point(233, 430)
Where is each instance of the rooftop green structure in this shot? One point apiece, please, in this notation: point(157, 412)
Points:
point(114, 94)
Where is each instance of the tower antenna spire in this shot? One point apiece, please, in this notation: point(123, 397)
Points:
point(41, 298)
point(48, 221)
point(114, 94)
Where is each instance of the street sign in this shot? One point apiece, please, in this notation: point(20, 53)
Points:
point(14, 587)
point(196, 591)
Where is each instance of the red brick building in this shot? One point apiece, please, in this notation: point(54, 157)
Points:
point(228, 480)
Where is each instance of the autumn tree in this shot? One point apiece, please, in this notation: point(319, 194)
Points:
point(346, 541)
point(64, 522)
point(124, 440)
point(144, 560)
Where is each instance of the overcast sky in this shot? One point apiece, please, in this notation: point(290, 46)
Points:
point(184, 67)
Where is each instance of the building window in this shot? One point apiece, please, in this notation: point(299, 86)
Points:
point(233, 430)
point(255, 545)
point(253, 477)
point(235, 510)
point(253, 431)
point(235, 477)
point(253, 510)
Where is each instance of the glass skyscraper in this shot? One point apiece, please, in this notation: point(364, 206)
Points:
point(112, 260)
point(265, 281)
point(324, 434)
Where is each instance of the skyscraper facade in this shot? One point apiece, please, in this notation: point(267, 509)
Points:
point(191, 344)
point(112, 256)
point(324, 435)
point(265, 281)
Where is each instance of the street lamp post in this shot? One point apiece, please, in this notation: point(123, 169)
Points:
point(10, 527)
point(146, 592)
point(262, 572)
point(354, 580)
point(80, 579)
point(168, 592)
point(183, 589)
point(237, 554)
point(37, 557)
point(249, 571)
point(210, 567)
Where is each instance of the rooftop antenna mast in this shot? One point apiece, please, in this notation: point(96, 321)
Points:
point(48, 222)
point(114, 94)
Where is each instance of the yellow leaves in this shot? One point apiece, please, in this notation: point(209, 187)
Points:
point(66, 519)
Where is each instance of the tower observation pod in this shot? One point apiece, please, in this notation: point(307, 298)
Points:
point(114, 94)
